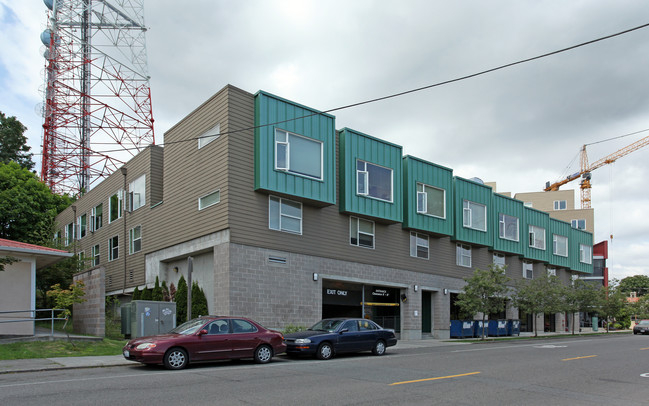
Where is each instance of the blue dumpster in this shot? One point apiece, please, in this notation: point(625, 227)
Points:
point(513, 327)
point(497, 328)
point(479, 328)
point(461, 328)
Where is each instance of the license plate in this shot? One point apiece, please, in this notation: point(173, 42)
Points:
point(127, 354)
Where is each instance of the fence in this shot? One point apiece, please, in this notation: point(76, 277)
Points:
point(32, 317)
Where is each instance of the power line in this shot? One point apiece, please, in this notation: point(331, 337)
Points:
point(446, 82)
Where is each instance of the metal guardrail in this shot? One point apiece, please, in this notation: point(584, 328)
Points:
point(33, 317)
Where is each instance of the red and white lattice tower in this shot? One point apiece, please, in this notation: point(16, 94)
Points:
point(97, 107)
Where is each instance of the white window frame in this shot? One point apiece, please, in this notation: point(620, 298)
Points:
point(560, 205)
point(69, 234)
point(96, 222)
point(134, 189)
point(556, 242)
point(422, 200)
point(502, 227)
point(585, 254)
point(499, 259)
point(575, 223)
point(552, 271)
point(82, 226)
point(95, 261)
point(528, 270)
point(355, 232)
point(363, 181)
point(132, 240)
point(286, 148)
point(120, 206)
point(415, 239)
point(533, 231)
point(528, 204)
point(203, 199)
point(280, 202)
point(463, 255)
point(113, 250)
point(468, 208)
point(209, 136)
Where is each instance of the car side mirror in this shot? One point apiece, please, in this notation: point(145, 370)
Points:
point(345, 330)
point(202, 332)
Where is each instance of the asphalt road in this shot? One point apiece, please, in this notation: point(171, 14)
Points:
point(591, 370)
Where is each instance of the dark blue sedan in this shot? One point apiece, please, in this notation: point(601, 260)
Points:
point(336, 336)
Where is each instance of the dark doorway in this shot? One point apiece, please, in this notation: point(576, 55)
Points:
point(455, 309)
point(426, 312)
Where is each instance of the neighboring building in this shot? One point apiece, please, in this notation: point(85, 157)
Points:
point(561, 206)
point(18, 284)
point(288, 220)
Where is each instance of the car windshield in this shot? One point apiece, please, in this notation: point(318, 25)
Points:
point(643, 323)
point(189, 327)
point(327, 325)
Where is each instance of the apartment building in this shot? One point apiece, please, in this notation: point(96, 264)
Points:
point(288, 219)
point(560, 204)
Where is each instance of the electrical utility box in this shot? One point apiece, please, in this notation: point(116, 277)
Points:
point(147, 318)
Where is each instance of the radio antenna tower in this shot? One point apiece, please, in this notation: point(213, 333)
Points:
point(97, 99)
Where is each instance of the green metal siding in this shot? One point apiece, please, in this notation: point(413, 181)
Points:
point(464, 189)
point(415, 171)
point(539, 219)
point(511, 207)
point(358, 146)
point(271, 109)
point(561, 228)
point(580, 237)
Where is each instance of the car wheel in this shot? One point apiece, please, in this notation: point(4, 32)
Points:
point(263, 354)
point(379, 348)
point(176, 358)
point(325, 351)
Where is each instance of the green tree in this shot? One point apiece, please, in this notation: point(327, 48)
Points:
point(156, 294)
point(613, 304)
point(539, 296)
point(65, 298)
point(636, 283)
point(60, 273)
point(27, 206)
point(199, 301)
point(146, 294)
point(13, 143)
point(136, 294)
point(580, 296)
point(484, 292)
point(181, 300)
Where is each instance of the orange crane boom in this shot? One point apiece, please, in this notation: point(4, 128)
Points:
point(587, 168)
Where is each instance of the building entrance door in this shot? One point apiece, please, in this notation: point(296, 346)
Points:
point(426, 312)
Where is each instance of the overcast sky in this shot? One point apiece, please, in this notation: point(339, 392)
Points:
point(519, 126)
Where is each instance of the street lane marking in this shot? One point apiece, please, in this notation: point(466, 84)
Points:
point(644, 348)
point(433, 379)
point(570, 359)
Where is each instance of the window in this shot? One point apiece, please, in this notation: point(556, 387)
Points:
point(373, 181)
point(418, 245)
point(57, 237)
point(97, 217)
point(284, 215)
point(209, 200)
point(528, 204)
point(297, 154)
point(242, 326)
point(528, 270)
point(361, 232)
point(82, 224)
point(537, 237)
point(474, 216)
point(579, 224)
point(95, 255)
point(115, 206)
point(137, 193)
point(560, 205)
point(560, 245)
point(585, 254)
point(113, 248)
point(209, 136)
point(431, 200)
point(135, 240)
point(508, 227)
point(463, 255)
point(69, 234)
point(499, 259)
point(552, 271)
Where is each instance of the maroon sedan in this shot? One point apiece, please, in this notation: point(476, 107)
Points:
point(207, 338)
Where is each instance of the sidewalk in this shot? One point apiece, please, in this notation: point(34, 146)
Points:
point(45, 364)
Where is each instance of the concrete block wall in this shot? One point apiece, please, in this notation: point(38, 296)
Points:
point(89, 317)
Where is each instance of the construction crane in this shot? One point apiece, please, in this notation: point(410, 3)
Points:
point(587, 168)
